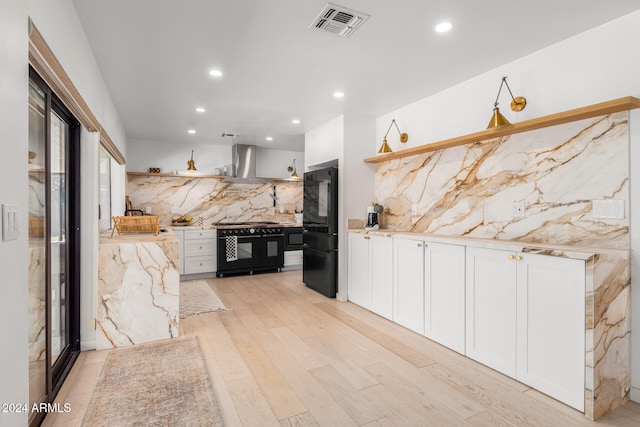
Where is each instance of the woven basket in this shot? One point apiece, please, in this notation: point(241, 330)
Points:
point(136, 224)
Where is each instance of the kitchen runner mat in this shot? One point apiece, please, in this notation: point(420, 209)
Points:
point(196, 296)
point(162, 383)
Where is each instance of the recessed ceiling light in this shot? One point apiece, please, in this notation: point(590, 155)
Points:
point(295, 121)
point(443, 27)
point(192, 131)
point(338, 94)
point(215, 73)
point(269, 138)
point(200, 110)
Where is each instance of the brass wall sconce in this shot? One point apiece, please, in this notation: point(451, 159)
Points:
point(191, 165)
point(292, 169)
point(517, 104)
point(403, 138)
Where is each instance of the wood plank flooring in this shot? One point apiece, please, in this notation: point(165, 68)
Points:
point(287, 356)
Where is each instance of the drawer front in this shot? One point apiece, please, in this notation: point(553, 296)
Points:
point(292, 258)
point(199, 234)
point(200, 264)
point(200, 247)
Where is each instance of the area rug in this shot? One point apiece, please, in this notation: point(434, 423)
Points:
point(196, 296)
point(165, 383)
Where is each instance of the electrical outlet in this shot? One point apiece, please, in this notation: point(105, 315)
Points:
point(610, 209)
point(517, 209)
point(92, 325)
point(148, 209)
point(414, 210)
point(175, 209)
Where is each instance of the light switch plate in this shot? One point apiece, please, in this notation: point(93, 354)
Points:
point(610, 209)
point(10, 224)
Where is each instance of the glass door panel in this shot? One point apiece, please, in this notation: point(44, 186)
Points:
point(37, 247)
point(59, 138)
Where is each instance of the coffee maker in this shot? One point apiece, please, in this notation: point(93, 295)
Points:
point(372, 219)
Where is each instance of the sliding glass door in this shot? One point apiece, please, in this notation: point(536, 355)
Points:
point(54, 219)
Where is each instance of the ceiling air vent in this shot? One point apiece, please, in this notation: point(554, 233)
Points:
point(338, 20)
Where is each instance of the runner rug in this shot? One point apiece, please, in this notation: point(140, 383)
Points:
point(196, 296)
point(164, 383)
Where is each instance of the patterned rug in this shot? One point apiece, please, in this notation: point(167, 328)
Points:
point(196, 296)
point(165, 383)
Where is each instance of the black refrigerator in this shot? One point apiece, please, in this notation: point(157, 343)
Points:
point(320, 231)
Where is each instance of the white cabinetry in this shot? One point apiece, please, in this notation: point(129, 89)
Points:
point(293, 260)
point(408, 284)
point(525, 318)
point(370, 273)
point(491, 308)
point(551, 326)
point(200, 251)
point(444, 294)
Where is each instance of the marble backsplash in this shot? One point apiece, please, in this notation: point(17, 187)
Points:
point(557, 172)
point(214, 199)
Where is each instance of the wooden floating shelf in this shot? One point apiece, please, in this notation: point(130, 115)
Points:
point(601, 109)
point(174, 175)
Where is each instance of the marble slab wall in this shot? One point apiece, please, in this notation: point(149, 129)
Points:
point(138, 290)
point(557, 171)
point(214, 199)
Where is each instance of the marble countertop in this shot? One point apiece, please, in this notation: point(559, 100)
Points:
point(576, 252)
point(214, 227)
point(166, 235)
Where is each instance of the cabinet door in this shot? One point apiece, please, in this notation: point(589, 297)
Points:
point(491, 308)
point(551, 326)
point(359, 291)
point(381, 267)
point(408, 298)
point(444, 294)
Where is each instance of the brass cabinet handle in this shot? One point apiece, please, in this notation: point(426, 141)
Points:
point(510, 256)
point(518, 257)
point(419, 245)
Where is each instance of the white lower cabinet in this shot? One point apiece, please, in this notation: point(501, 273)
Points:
point(521, 314)
point(444, 294)
point(525, 318)
point(551, 326)
point(491, 308)
point(408, 283)
point(200, 252)
point(370, 273)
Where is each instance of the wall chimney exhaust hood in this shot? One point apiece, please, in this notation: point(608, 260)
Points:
point(243, 165)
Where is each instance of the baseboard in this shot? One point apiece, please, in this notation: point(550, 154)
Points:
point(635, 394)
point(88, 345)
point(342, 297)
point(197, 276)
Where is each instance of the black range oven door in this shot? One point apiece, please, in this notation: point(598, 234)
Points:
point(272, 251)
point(242, 257)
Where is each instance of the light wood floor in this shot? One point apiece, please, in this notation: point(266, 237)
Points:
point(287, 356)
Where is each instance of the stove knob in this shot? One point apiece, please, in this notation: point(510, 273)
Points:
point(252, 230)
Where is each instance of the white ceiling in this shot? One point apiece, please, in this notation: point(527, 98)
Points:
point(155, 56)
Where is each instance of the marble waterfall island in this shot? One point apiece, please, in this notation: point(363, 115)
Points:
point(138, 289)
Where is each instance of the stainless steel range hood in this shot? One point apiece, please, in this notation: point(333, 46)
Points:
point(243, 165)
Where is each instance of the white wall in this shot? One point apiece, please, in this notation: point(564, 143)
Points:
point(89, 197)
point(324, 143)
point(14, 373)
point(634, 209)
point(356, 185)
point(170, 157)
point(595, 66)
point(59, 25)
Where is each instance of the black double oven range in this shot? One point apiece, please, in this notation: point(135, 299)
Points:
point(249, 247)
